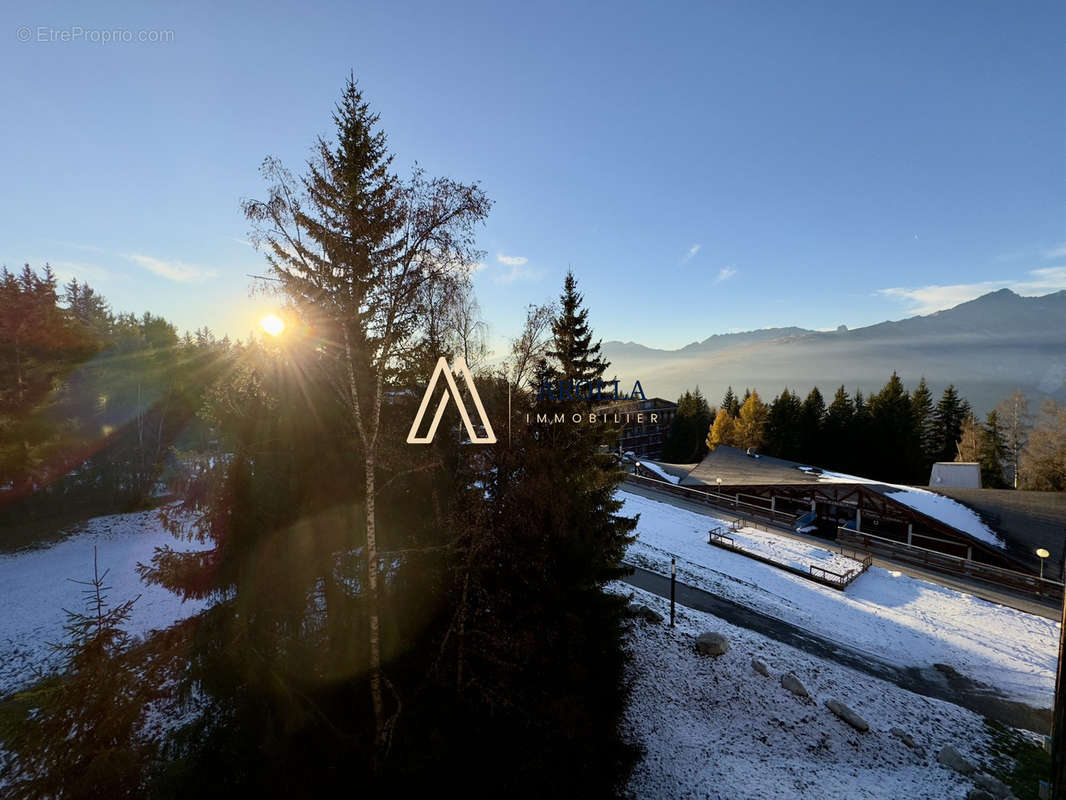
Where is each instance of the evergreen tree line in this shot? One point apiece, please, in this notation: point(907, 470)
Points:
point(92, 403)
point(892, 435)
point(386, 616)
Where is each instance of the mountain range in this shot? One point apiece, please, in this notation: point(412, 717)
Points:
point(986, 347)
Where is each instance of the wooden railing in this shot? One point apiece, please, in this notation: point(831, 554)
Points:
point(731, 502)
point(1043, 588)
point(719, 538)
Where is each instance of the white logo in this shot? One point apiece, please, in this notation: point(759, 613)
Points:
point(451, 390)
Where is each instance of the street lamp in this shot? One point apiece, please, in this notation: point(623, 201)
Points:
point(719, 482)
point(1043, 554)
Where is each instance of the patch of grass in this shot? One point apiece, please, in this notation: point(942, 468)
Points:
point(1016, 759)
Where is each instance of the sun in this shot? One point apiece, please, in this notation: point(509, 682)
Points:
point(272, 324)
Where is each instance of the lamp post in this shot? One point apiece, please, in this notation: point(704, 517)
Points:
point(1043, 554)
point(719, 482)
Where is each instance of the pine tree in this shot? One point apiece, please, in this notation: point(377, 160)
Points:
point(81, 732)
point(782, 426)
point(924, 423)
point(576, 357)
point(893, 438)
point(949, 416)
point(811, 428)
point(309, 492)
point(685, 441)
point(730, 403)
point(838, 424)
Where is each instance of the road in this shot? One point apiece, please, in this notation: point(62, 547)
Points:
point(941, 684)
point(977, 588)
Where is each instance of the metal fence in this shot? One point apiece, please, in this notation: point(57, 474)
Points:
point(1043, 588)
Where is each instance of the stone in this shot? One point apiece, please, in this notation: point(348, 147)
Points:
point(992, 785)
point(979, 794)
point(952, 758)
point(903, 736)
point(792, 683)
point(849, 716)
point(760, 667)
point(647, 613)
point(711, 644)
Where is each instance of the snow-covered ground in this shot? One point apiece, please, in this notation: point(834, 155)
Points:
point(792, 552)
point(714, 728)
point(37, 585)
point(899, 619)
point(924, 501)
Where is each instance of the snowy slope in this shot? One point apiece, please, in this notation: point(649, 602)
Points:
point(713, 728)
point(35, 587)
point(902, 620)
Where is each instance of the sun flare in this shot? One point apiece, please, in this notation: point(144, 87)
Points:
point(272, 324)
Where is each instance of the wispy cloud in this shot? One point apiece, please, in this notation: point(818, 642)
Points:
point(84, 272)
point(177, 271)
point(724, 274)
point(690, 253)
point(512, 261)
point(1055, 252)
point(937, 297)
point(519, 271)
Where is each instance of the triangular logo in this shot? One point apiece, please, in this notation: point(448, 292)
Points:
point(451, 390)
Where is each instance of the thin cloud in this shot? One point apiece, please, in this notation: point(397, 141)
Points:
point(84, 272)
point(519, 271)
point(690, 253)
point(724, 274)
point(1055, 252)
point(932, 298)
point(177, 271)
point(512, 261)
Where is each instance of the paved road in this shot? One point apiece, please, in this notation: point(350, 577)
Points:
point(979, 589)
point(943, 684)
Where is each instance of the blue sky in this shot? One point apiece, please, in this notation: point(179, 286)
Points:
point(703, 167)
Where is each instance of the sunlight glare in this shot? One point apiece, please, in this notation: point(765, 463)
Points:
point(272, 324)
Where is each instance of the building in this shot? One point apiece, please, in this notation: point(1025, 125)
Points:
point(955, 475)
point(645, 425)
point(851, 509)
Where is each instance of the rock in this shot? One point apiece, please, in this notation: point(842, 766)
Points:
point(950, 757)
point(791, 682)
point(647, 613)
point(903, 736)
point(979, 794)
point(711, 644)
point(760, 667)
point(849, 716)
point(993, 786)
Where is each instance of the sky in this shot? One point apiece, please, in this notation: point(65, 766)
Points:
point(702, 167)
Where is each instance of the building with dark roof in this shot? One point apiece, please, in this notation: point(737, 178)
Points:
point(850, 508)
